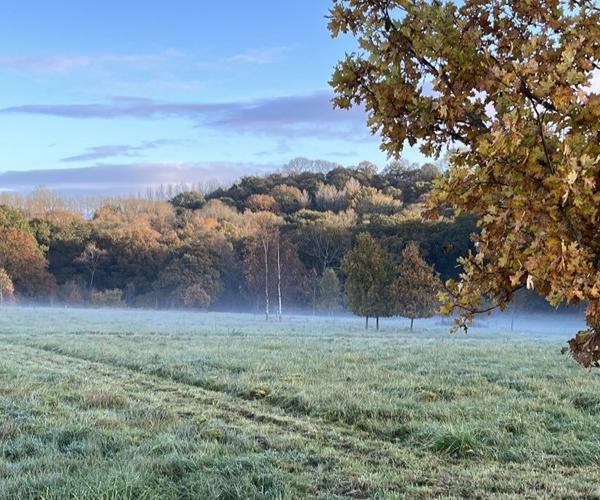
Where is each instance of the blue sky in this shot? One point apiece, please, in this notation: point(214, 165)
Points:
point(184, 90)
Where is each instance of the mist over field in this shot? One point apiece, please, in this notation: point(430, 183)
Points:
point(553, 326)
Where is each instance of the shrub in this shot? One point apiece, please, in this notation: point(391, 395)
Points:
point(108, 298)
point(72, 292)
point(195, 297)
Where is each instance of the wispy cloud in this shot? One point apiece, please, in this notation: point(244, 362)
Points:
point(71, 62)
point(126, 178)
point(289, 116)
point(67, 62)
point(112, 150)
point(258, 56)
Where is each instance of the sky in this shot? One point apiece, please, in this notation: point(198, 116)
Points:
point(117, 95)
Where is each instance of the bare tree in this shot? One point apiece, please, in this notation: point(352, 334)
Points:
point(91, 257)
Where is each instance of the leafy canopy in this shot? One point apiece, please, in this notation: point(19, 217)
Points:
point(507, 85)
point(369, 272)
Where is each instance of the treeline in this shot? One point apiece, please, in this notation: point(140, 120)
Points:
point(41, 200)
point(281, 241)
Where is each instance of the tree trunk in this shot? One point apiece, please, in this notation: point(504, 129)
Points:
point(366, 322)
point(1, 296)
point(92, 278)
point(412, 320)
point(377, 323)
point(266, 255)
point(279, 313)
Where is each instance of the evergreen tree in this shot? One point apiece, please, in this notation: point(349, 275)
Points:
point(329, 290)
point(417, 286)
point(369, 274)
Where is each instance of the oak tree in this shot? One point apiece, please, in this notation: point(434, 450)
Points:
point(511, 87)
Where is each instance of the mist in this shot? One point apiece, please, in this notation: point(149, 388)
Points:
point(505, 326)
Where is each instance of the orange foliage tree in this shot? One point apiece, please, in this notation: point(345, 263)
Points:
point(24, 263)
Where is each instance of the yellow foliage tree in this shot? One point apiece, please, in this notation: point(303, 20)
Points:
point(6, 286)
point(508, 86)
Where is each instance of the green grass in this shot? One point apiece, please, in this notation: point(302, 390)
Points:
point(133, 404)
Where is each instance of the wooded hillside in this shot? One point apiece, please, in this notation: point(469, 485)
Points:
point(261, 239)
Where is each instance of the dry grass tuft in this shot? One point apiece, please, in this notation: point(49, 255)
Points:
point(8, 428)
point(103, 399)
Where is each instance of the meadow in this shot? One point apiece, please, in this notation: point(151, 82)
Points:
point(138, 404)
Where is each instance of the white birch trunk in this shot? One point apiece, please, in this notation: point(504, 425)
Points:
point(265, 243)
point(279, 312)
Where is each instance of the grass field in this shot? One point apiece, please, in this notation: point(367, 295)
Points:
point(133, 404)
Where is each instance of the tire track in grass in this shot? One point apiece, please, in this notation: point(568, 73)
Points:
point(289, 448)
point(330, 460)
point(266, 404)
point(339, 461)
point(358, 444)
